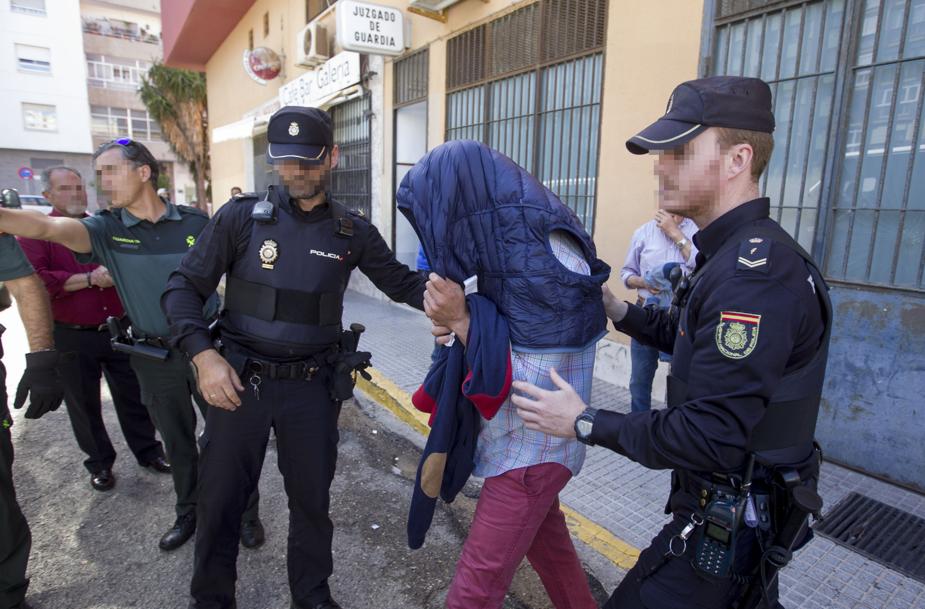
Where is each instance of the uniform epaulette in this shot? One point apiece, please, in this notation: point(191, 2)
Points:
point(245, 195)
point(359, 213)
point(753, 255)
point(189, 209)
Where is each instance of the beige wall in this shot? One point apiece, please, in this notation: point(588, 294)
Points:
point(651, 47)
point(232, 93)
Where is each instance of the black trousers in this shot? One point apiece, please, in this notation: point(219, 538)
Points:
point(95, 358)
point(659, 583)
point(168, 390)
point(15, 537)
point(304, 419)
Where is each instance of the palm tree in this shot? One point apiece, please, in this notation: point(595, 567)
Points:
point(176, 99)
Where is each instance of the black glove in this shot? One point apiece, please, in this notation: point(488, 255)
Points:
point(41, 383)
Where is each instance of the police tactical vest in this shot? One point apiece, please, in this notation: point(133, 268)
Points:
point(288, 287)
point(786, 433)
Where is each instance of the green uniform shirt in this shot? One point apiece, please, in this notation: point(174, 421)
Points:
point(13, 263)
point(140, 256)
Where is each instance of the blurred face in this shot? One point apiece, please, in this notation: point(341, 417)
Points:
point(689, 177)
point(304, 181)
point(67, 193)
point(119, 179)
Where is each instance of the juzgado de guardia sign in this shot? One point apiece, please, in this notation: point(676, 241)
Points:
point(370, 28)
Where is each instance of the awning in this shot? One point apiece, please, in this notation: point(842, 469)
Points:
point(237, 130)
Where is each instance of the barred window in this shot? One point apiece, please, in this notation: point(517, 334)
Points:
point(411, 79)
point(847, 177)
point(351, 180)
point(878, 209)
point(529, 85)
point(795, 51)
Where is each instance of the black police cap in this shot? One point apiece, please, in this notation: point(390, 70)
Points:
point(297, 132)
point(718, 101)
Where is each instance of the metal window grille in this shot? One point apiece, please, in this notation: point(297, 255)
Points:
point(878, 209)
point(351, 179)
point(411, 79)
point(848, 172)
point(536, 101)
point(795, 51)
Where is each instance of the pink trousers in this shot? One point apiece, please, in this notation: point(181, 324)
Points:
point(518, 515)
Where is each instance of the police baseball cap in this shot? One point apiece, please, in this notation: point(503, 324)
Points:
point(297, 132)
point(718, 101)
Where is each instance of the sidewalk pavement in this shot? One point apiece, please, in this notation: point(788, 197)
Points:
point(616, 505)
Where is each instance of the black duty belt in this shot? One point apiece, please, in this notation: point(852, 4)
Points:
point(155, 341)
point(278, 304)
point(88, 328)
point(302, 370)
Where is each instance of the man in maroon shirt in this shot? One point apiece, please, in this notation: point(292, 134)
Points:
point(82, 297)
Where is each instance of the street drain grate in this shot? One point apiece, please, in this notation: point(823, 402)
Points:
point(887, 535)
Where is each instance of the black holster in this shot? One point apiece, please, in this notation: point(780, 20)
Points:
point(346, 362)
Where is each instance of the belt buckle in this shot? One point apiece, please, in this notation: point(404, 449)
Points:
point(310, 371)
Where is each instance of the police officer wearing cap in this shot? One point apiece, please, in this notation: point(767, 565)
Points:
point(749, 335)
point(278, 360)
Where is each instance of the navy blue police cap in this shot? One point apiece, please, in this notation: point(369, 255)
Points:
point(694, 106)
point(297, 132)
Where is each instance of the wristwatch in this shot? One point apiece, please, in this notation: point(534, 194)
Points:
point(584, 424)
point(682, 243)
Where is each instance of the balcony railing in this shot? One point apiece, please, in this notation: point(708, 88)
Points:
point(115, 76)
point(116, 28)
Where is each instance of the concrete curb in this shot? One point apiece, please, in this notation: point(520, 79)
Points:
point(390, 396)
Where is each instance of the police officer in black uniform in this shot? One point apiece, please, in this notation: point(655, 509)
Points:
point(42, 384)
point(279, 360)
point(749, 336)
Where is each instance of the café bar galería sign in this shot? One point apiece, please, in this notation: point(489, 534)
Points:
point(262, 64)
point(370, 28)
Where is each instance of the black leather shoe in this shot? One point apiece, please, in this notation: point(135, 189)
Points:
point(179, 533)
point(103, 480)
point(252, 534)
point(160, 465)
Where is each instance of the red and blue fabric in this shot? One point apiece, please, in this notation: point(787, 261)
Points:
point(463, 385)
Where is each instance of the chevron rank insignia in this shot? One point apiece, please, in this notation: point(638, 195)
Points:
point(737, 333)
point(753, 255)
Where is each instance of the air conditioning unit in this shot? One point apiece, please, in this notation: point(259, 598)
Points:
point(312, 45)
point(432, 5)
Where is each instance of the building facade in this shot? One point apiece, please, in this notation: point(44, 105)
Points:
point(43, 92)
point(558, 85)
point(121, 40)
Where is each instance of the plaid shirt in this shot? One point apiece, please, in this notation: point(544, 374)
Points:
point(504, 443)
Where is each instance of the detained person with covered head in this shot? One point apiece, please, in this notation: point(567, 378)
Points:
point(280, 357)
point(533, 284)
point(749, 334)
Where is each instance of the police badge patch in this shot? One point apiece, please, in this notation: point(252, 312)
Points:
point(268, 253)
point(737, 334)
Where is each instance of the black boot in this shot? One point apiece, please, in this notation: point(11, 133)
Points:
point(252, 534)
point(179, 533)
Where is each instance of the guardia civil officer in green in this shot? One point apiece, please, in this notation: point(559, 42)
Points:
point(141, 239)
point(43, 385)
point(749, 336)
point(283, 360)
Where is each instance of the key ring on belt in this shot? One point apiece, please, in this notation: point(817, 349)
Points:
point(683, 536)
